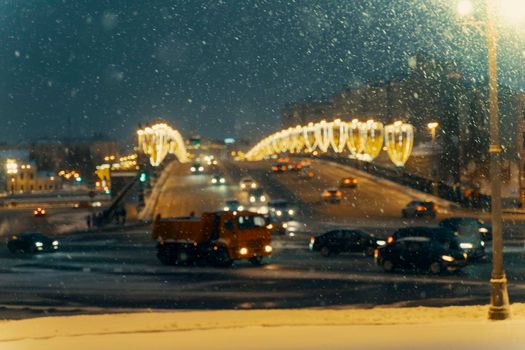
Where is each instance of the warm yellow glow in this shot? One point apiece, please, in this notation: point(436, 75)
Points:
point(513, 11)
point(160, 140)
point(364, 140)
point(465, 8)
point(432, 125)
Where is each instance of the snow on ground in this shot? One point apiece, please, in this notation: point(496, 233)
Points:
point(461, 327)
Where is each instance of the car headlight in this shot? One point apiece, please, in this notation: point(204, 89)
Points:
point(192, 168)
point(447, 258)
point(226, 208)
point(213, 181)
point(222, 180)
point(279, 213)
point(39, 244)
point(291, 212)
point(243, 186)
point(269, 226)
point(55, 243)
point(240, 207)
point(243, 251)
point(268, 248)
point(285, 225)
point(482, 243)
point(201, 168)
point(466, 245)
point(483, 230)
point(252, 199)
point(263, 198)
point(254, 185)
point(380, 242)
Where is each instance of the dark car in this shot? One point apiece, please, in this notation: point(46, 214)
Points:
point(434, 233)
point(197, 168)
point(279, 168)
point(455, 223)
point(281, 210)
point(417, 209)
point(332, 195)
point(470, 232)
point(31, 243)
point(344, 240)
point(348, 182)
point(421, 253)
point(218, 180)
point(39, 212)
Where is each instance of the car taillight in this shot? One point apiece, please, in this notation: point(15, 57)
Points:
point(376, 253)
point(389, 239)
point(421, 208)
point(312, 239)
point(275, 168)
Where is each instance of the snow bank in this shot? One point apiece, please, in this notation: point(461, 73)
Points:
point(378, 328)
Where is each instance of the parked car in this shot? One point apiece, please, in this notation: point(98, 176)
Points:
point(421, 253)
point(455, 223)
point(348, 182)
point(247, 183)
point(344, 240)
point(332, 195)
point(31, 243)
point(470, 232)
point(232, 205)
point(39, 212)
point(218, 180)
point(417, 209)
point(197, 168)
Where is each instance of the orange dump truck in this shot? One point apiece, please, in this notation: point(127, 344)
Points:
point(217, 238)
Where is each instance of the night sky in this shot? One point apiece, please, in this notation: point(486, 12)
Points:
point(220, 68)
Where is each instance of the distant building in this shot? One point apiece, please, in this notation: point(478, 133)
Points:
point(21, 176)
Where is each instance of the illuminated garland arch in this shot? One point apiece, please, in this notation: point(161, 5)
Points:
point(364, 140)
point(160, 140)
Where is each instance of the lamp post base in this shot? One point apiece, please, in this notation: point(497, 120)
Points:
point(499, 299)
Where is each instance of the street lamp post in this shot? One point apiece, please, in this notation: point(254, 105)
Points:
point(499, 299)
point(432, 127)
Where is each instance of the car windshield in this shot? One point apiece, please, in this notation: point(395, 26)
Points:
point(187, 154)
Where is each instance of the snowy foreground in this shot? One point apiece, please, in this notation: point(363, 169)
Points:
point(379, 328)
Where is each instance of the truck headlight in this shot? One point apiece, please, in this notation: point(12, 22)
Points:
point(243, 251)
point(268, 248)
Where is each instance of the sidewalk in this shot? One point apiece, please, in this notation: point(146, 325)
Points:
point(461, 327)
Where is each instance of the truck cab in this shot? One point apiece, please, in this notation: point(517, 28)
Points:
point(218, 238)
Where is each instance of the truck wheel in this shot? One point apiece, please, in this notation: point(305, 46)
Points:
point(165, 255)
point(256, 260)
point(221, 258)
